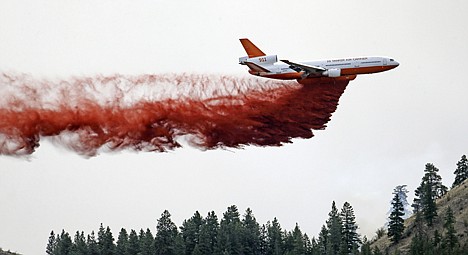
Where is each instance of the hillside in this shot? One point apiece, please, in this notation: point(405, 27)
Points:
point(2, 252)
point(457, 200)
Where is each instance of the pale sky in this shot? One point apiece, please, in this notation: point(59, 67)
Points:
point(386, 128)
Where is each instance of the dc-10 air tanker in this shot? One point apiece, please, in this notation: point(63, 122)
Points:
point(311, 72)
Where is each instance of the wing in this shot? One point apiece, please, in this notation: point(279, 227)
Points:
point(310, 71)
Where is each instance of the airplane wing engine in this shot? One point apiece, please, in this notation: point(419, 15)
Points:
point(334, 72)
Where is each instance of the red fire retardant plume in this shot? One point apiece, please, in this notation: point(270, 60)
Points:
point(158, 112)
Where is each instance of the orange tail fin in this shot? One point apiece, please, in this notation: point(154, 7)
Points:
point(252, 50)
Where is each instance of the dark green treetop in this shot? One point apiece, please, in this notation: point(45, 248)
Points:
point(335, 229)
point(430, 189)
point(461, 173)
point(349, 234)
point(250, 238)
point(208, 238)
point(396, 223)
point(230, 231)
point(190, 231)
point(122, 242)
point(166, 235)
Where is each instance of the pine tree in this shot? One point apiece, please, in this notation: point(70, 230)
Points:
point(101, 238)
point(450, 240)
point(396, 223)
point(133, 246)
point(105, 241)
point(274, 238)
point(110, 246)
point(79, 246)
point(52, 244)
point(323, 240)
point(93, 248)
point(402, 191)
point(349, 233)
point(64, 243)
point(122, 242)
point(166, 235)
point(230, 229)
point(250, 238)
point(147, 242)
point(430, 189)
point(461, 173)
point(298, 241)
point(288, 243)
point(335, 228)
point(190, 231)
point(428, 204)
point(209, 234)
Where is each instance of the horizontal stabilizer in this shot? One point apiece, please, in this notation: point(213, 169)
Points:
point(256, 68)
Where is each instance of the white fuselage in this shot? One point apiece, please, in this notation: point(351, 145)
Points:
point(268, 66)
point(346, 66)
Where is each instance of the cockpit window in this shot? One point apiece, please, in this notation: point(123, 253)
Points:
point(392, 59)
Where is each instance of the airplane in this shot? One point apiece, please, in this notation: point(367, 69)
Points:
point(312, 72)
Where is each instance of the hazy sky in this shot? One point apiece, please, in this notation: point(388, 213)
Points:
point(386, 128)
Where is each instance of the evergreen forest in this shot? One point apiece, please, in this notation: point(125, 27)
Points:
point(429, 230)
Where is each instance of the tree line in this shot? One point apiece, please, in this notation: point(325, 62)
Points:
point(233, 234)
